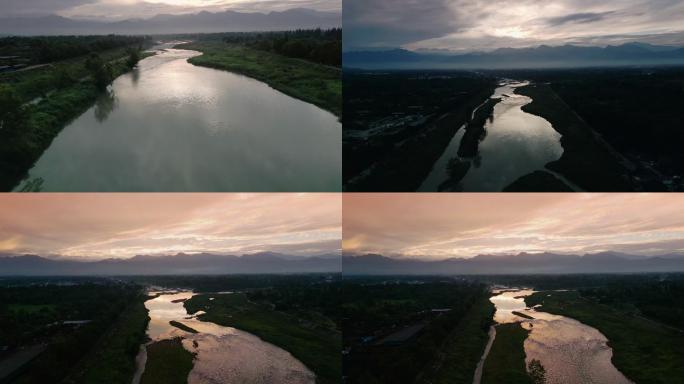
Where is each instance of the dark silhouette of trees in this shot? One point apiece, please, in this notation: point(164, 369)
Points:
point(12, 112)
point(133, 57)
point(101, 72)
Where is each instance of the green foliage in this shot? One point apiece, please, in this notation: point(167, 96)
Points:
point(506, 360)
point(12, 112)
point(304, 332)
point(537, 372)
point(167, 363)
point(445, 351)
point(133, 57)
point(101, 72)
point(314, 83)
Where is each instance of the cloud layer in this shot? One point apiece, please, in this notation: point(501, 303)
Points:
point(125, 225)
point(123, 9)
point(479, 25)
point(465, 225)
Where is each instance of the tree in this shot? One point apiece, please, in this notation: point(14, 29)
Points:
point(537, 372)
point(101, 72)
point(133, 57)
point(12, 112)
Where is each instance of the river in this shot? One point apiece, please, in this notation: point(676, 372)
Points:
point(223, 355)
point(171, 126)
point(570, 351)
point(516, 143)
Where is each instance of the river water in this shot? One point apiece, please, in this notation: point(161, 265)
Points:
point(223, 355)
point(570, 351)
point(172, 126)
point(516, 144)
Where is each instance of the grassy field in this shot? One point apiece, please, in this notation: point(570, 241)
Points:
point(585, 161)
point(645, 351)
point(318, 347)
point(314, 83)
point(463, 348)
point(506, 360)
point(46, 118)
point(167, 363)
point(112, 359)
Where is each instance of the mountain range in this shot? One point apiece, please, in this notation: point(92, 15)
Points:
point(202, 22)
point(522, 263)
point(543, 56)
point(179, 264)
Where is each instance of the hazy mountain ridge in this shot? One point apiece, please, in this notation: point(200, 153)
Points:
point(522, 263)
point(202, 22)
point(203, 263)
point(511, 58)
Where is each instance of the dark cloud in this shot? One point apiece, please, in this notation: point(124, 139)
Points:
point(579, 18)
point(38, 7)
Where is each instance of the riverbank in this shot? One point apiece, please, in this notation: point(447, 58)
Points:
point(168, 362)
point(112, 358)
point(313, 83)
point(506, 360)
point(308, 340)
point(47, 116)
point(410, 161)
point(461, 350)
point(585, 161)
point(644, 351)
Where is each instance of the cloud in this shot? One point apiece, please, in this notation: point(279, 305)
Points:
point(122, 9)
point(464, 225)
point(123, 225)
point(480, 25)
point(578, 18)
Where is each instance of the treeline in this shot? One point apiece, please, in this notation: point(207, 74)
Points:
point(34, 315)
point(46, 49)
point(316, 45)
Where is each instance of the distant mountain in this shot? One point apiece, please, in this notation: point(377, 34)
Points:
point(202, 22)
point(516, 58)
point(204, 263)
point(523, 263)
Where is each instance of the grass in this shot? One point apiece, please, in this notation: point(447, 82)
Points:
point(182, 326)
point(463, 348)
point(314, 83)
point(506, 360)
point(315, 345)
point(112, 359)
point(167, 363)
point(585, 161)
point(644, 351)
point(31, 308)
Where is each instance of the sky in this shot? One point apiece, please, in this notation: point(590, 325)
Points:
point(100, 225)
point(110, 10)
point(484, 25)
point(437, 226)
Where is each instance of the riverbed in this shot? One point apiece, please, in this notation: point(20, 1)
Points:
point(223, 355)
point(571, 352)
point(515, 144)
point(171, 126)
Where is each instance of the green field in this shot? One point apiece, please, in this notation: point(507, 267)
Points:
point(643, 350)
point(506, 360)
point(314, 83)
point(167, 363)
point(112, 359)
point(313, 343)
point(463, 348)
point(31, 308)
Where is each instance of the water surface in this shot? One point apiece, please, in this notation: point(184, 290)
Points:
point(570, 351)
point(516, 143)
point(173, 126)
point(223, 355)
